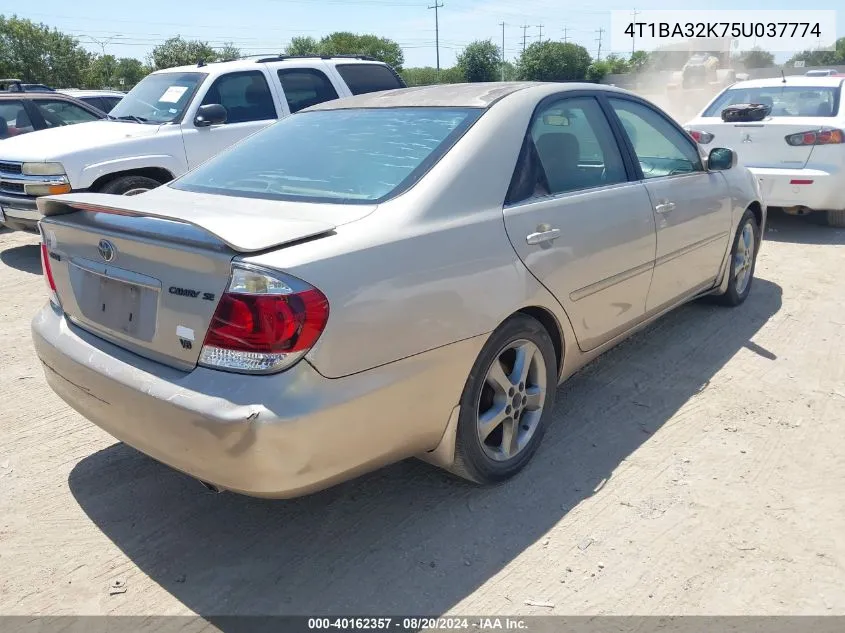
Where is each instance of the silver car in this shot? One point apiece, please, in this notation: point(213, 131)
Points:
point(398, 274)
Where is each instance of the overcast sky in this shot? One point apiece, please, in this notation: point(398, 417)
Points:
point(265, 26)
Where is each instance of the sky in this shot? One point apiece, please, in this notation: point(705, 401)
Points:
point(266, 26)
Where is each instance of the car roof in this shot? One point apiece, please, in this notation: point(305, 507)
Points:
point(73, 92)
point(466, 95)
point(250, 63)
point(791, 80)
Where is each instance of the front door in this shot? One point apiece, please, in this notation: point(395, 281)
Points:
point(249, 106)
point(692, 207)
point(578, 222)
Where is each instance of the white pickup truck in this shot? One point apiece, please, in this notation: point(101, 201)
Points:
point(172, 121)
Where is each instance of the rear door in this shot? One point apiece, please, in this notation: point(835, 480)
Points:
point(692, 207)
point(249, 105)
point(578, 222)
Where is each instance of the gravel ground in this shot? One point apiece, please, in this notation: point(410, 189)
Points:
point(696, 469)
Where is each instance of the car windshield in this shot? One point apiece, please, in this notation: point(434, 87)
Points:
point(349, 156)
point(785, 100)
point(159, 98)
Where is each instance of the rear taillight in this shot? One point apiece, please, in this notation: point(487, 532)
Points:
point(48, 272)
point(701, 137)
point(823, 136)
point(265, 322)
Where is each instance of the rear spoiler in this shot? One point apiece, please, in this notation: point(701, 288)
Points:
point(248, 231)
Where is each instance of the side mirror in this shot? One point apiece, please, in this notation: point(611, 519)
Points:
point(210, 114)
point(721, 158)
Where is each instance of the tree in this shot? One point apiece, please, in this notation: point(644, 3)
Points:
point(101, 72)
point(380, 48)
point(36, 53)
point(129, 72)
point(822, 58)
point(597, 71)
point(617, 65)
point(179, 52)
point(303, 46)
point(228, 53)
point(756, 58)
point(480, 61)
point(554, 61)
point(638, 61)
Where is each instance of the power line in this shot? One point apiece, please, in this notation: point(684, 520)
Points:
point(598, 55)
point(437, 6)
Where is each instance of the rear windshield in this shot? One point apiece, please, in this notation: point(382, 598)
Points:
point(785, 100)
point(349, 156)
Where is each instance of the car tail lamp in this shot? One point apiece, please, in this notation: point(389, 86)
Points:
point(823, 136)
point(701, 137)
point(264, 323)
point(48, 272)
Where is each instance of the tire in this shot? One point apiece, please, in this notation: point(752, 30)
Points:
point(495, 460)
point(739, 286)
point(129, 185)
point(835, 218)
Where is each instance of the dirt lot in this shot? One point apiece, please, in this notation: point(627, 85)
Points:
point(697, 469)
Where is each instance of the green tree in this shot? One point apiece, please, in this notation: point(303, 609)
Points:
point(228, 53)
point(638, 61)
point(37, 53)
point(756, 58)
point(180, 52)
point(129, 72)
point(510, 71)
point(101, 72)
point(822, 58)
point(380, 48)
point(597, 71)
point(303, 46)
point(480, 61)
point(554, 61)
point(617, 65)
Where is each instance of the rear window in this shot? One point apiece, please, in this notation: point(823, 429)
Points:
point(785, 100)
point(345, 156)
point(364, 78)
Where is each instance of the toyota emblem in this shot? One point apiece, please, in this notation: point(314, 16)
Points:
point(107, 250)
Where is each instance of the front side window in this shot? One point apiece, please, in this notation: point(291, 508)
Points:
point(661, 149)
point(343, 156)
point(245, 95)
point(57, 112)
point(305, 87)
point(784, 100)
point(159, 98)
point(13, 119)
point(366, 78)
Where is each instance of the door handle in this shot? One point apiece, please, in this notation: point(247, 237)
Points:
point(546, 235)
point(665, 207)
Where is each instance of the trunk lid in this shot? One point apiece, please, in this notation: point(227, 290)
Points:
point(760, 143)
point(150, 280)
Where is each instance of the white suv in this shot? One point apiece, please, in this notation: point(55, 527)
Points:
point(172, 121)
point(797, 151)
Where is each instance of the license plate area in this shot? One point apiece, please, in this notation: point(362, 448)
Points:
point(112, 300)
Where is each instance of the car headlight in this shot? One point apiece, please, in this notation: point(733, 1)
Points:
point(43, 169)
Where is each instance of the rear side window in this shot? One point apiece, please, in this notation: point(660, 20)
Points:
point(13, 119)
point(305, 87)
point(364, 78)
point(245, 95)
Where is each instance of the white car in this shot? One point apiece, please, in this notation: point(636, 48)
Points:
point(797, 152)
point(104, 100)
point(172, 121)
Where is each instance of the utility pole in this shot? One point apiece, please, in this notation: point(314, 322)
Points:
point(525, 28)
point(436, 7)
point(565, 37)
point(598, 55)
point(634, 38)
point(503, 51)
point(540, 26)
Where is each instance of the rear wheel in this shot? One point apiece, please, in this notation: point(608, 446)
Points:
point(742, 262)
point(129, 185)
point(506, 402)
point(835, 218)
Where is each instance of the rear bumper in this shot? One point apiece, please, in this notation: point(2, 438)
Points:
point(269, 436)
point(21, 212)
point(779, 188)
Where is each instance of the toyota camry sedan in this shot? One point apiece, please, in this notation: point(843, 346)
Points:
point(398, 274)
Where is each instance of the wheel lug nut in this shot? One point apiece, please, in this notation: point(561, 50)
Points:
point(524, 400)
point(510, 392)
point(522, 386)
point(508, 410)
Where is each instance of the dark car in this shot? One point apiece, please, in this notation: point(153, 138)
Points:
point(23, 110)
